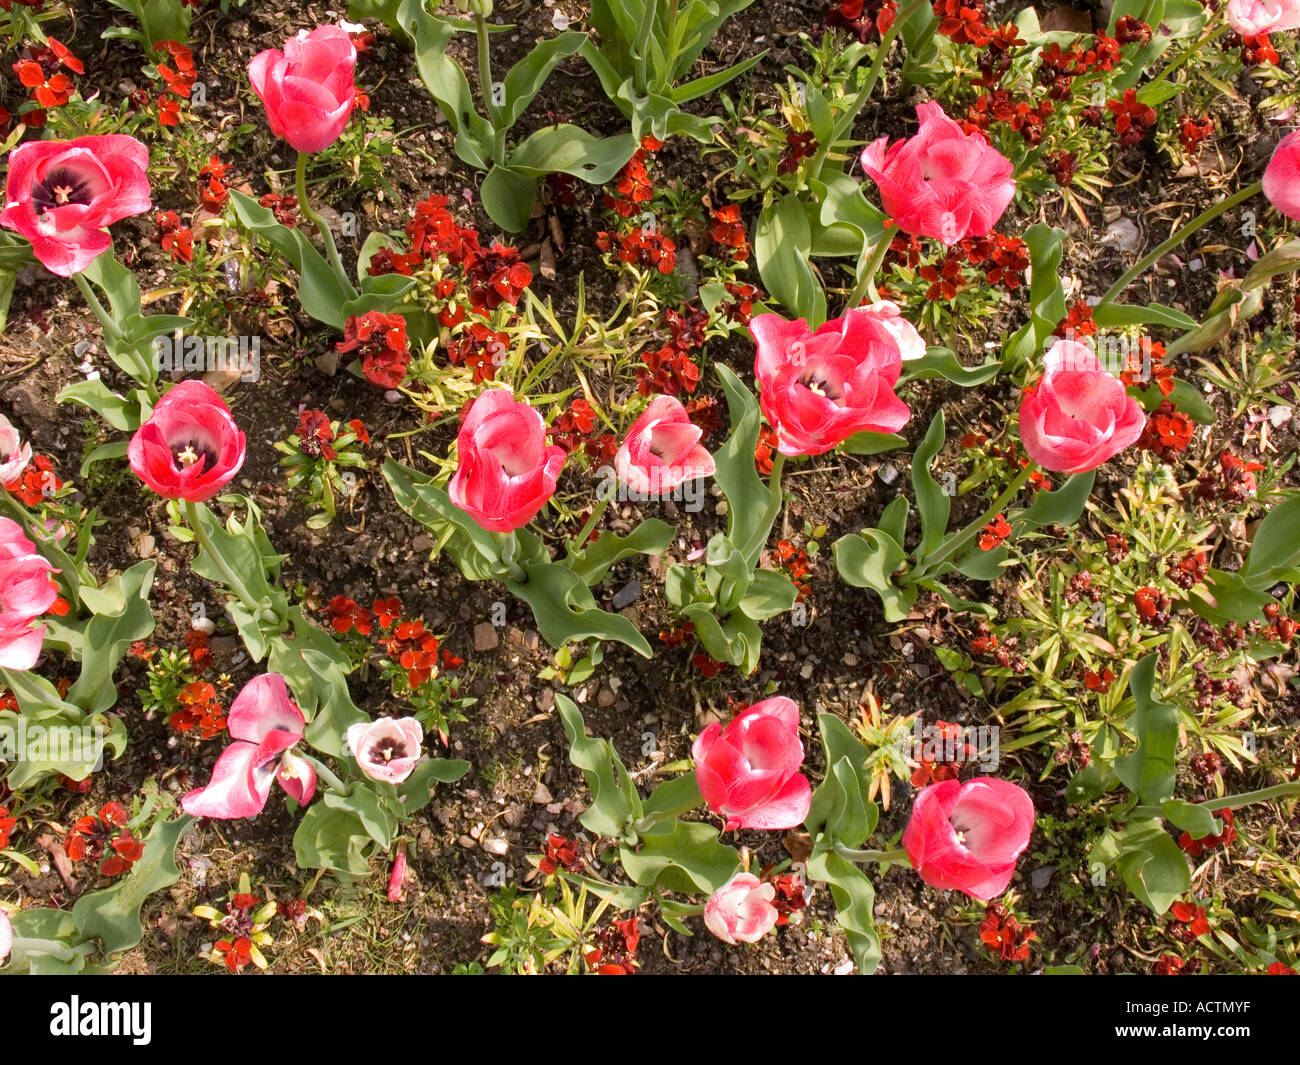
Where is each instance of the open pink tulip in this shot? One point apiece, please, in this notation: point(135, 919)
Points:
point(61, 195)
point(387, 749)
point(265, 724)
point(308, 89)
point(14, 454)
point(1078, 415)
point(190, 447)
point(942, 182)
point(749, 771)
point(506, 472)
point(967, 837)
point(1254, 18)
point(662, 450)
point(26, 592)
point(818, 389)
point(741, 911)
point(1282, 176)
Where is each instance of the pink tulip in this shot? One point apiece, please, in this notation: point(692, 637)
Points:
point(190, 447)
point(1078, 415)
point(397, 877)
point(749, 771)
point(662, 450)
point(6, 936)
point(14, 454)
point(818, 389)
point(506, 472)
point(942, 182)
point(26, 592)
point(61, 195)
point(386, 749)
point(1255, 18)
point(308, 88)
point(967, 837)
point(741, 911)
point(1282, 176)
point(266, 724)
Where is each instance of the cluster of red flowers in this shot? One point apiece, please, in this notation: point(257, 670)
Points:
point(1280, 628)
point(1173, 965)
point(644, 247)
point(381, 341)
point(237, 950)
point(1004, 935)
point(200, 711)
point(196, 643)
point(1062, 167)
point(1197, 847)
point(1132, 117)
point(678, 636)
point(316, 435)
point(6, 826)
point(37, 482)
point(1168, 432)
point(1152, 605)
point(284, 205)
point(409, 644)
point(615, 950)
point(706, 665)
point(561, 853)
point(740, 308)
point(213, 192)
point(1099, 682)
point(40, 69)
point(929, 771)
point(795, 562)
point(175, 238)
point(492, 276)
point(1191, 131)
point(1003, 259)
point(767, 442)
point(1232, 482)
point(728, 233)
point(798, 147)
point(1000, 106)
point(995, 533)
point(1255, 51)
point(92, 837)
point(670, 370)
point(1144, 365)
point(481, 348)
point(1189, 570)
point(632, 185)
point(179, 81)
point(1004, 653)
point(1189, 921)
point(789, 895)
point(575, 429)
point(864, 18)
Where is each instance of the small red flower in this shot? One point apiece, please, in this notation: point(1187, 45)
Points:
point(345, 614)
point(995, 533)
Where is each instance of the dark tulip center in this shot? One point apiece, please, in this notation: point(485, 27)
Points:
point(387, 749)
point(192, 452)
point(61, 186)
point(818, 385)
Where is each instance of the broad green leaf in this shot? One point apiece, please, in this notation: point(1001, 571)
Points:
point(943, 362)
point(614, 800)
point(684, 856)
point(932, 503)
point(1150, 770)
point(782, 244)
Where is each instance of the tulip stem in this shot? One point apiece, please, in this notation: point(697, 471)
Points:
point(229, 578)
point(894, 857)
point(326, 236)
point(486, 90)
point(111, 328)
point(866, 283)
point(1181, 235)
point(322, 771)
point(954, 544)
point(1231, 802)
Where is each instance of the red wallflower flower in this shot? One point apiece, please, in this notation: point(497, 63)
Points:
point(381, 341)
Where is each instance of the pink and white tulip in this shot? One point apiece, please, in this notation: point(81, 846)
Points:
point(308, 89)
point(26, 592)
point(967, 837)
point(506, 471)
point(388, 749)
point(15, 454)
point(1255, 18)
point(266, 725)
point(1282, 176)
point(749, 771)
point(741, 911)
point(662, 450)
point(1078, 415)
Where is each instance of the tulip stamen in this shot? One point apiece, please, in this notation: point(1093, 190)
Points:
point(192, 453)
point(60, 188)
point(386, 750)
